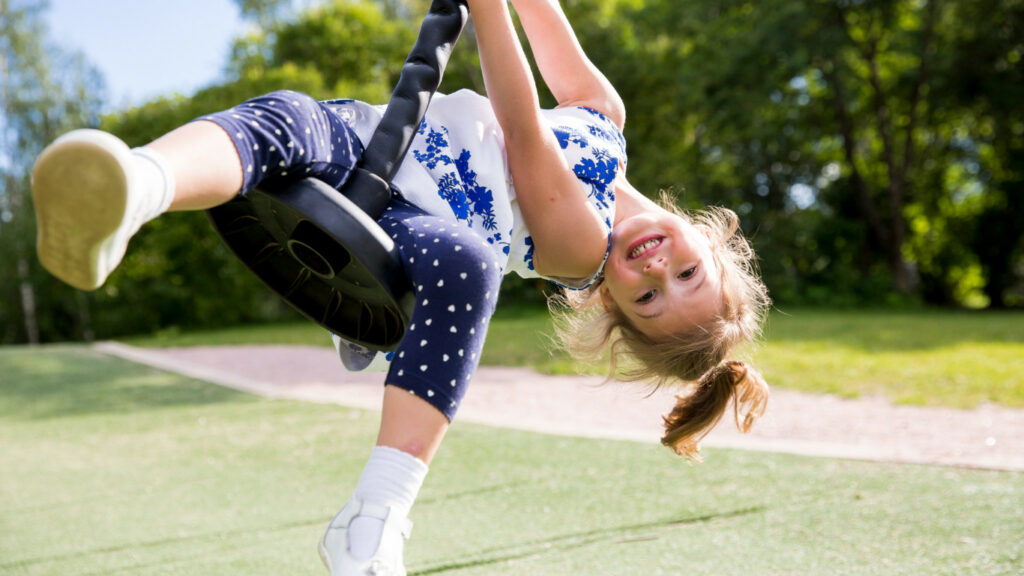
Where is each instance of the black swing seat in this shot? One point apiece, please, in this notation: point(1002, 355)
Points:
point(323, 251)
point(325, 256)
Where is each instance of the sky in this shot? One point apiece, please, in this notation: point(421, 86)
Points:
point(148, 48)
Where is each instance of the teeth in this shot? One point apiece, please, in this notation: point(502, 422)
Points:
point(645, 246)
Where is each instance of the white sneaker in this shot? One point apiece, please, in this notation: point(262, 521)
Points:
point(83, 188)
point(386, 561)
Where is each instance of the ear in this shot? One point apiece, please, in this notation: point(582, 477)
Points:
point(606, 298)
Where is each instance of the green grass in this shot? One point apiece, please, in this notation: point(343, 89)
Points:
point(957, 359)
point(938, 358)
point(299, 333)
point(113, 468)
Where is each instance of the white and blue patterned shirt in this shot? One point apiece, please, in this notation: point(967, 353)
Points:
point(457, 167)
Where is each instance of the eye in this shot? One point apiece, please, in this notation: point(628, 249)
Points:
point(647, 297)
point(687, 274)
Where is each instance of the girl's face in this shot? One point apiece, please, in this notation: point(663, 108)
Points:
point(661, 274)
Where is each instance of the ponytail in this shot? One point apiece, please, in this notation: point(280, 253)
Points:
point(695, 414)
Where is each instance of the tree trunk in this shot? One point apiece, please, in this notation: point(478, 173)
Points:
point(893, 231)
point(28, 302)
point(84, 317)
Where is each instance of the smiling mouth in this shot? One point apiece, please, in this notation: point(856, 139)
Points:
point(644, 245)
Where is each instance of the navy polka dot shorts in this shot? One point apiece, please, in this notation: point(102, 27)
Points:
point(456, 279)
point(454, 272)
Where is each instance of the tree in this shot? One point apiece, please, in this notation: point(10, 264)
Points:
point(831, 128)
point(265, 13)
point(988, 81)
point(177, 271)
point(899, 37)
point(874, 149)
point(36, 105)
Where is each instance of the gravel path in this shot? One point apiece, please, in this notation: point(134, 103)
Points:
point(868, 428)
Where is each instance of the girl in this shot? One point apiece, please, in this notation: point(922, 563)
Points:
point(489, 186)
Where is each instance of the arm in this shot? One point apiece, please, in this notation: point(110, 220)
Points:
point(568, 72)
point(568, 234)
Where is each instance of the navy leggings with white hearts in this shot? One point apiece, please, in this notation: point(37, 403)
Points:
point(453, 270)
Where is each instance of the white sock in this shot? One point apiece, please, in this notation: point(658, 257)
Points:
point(155, 181)
point(391, 478)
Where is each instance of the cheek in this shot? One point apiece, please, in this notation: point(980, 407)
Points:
point(613, 293)
point(611, 296)
point(617, 280)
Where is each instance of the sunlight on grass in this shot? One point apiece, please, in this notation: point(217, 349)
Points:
point(299, 333)
point(954, 359)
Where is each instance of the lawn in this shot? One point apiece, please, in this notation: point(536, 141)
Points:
point(114, 468)
point(927, 357)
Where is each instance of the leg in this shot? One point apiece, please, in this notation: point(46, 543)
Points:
point(411, 424)
point(225, 154)
point(92, 193)
point(372, 527)
point(207, 170)
point(456, 281)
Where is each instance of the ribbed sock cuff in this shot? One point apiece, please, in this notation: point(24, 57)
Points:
point(391, 478)
point(156, 182)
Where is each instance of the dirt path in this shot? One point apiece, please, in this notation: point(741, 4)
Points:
point(867, 428)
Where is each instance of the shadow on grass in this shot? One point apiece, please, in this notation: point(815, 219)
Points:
point(560, 544)
point(448, 498)
point(56, 381)
point(236, 534)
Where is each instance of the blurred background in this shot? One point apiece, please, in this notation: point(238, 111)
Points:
point(874, 149)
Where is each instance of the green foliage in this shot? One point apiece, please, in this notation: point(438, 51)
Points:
point(44, 92)
point(265, 12)
point(873, 150)
point(828, 126)
point(987, 79)
point(351, 44)
point(177, 272)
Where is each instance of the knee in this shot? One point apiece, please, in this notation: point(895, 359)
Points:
point(464, 280)
point(474, 261)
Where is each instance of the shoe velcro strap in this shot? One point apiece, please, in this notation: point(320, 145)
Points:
point(378, 511)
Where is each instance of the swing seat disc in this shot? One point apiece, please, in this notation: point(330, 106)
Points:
point(325, 256)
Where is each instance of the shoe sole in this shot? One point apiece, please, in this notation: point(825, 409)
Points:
point(322, 549)
point(80, 191)
point(323, 553)
point(326, 559)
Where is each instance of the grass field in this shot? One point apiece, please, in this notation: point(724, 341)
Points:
point(942, 358)
point(112, 468)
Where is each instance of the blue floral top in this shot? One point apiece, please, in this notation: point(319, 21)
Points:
point(457, 167)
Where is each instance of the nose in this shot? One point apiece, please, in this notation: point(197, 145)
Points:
point(655, 266)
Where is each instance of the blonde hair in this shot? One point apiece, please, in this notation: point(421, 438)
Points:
point(696, 357)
